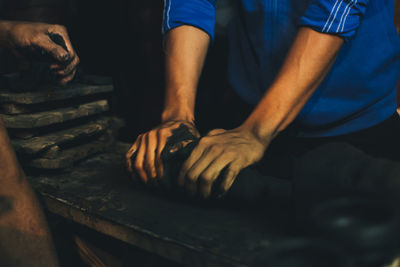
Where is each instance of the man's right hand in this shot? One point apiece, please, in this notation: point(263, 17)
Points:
point(149, 146)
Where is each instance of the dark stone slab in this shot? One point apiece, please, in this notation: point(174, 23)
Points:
point(99, 194)
point(24, 134)
point(53, 93)
point(39, 144)
point(10, 108)
point(17, 109)
point(60, 159)
point(46, 118)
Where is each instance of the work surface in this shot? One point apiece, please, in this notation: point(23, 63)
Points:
point(99, 194)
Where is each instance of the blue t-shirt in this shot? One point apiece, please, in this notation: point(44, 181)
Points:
point(359, 91)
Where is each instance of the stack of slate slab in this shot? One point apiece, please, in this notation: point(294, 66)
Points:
point(53, 128)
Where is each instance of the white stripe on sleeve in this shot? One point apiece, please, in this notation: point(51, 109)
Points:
point(343, 15)
point(348, 12)
point(330, 15)
point(168, 10)
point(337, 10)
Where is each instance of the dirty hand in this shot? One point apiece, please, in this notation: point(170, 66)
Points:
point(149, 146)
point(228, 150)
point(35, 39)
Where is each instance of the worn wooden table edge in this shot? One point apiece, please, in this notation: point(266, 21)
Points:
point(139, 237)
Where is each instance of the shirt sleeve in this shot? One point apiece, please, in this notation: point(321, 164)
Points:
point(339, 17)
point(198, 13)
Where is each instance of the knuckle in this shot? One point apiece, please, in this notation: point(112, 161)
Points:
point(204, 141)
point(59, 27)
point(163, 132)
point(36, 39)
point(191, 177)
point(138, 165)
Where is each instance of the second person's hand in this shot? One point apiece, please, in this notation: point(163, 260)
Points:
point(33, 39)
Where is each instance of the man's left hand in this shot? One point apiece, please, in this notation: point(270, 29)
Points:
point(221, 150)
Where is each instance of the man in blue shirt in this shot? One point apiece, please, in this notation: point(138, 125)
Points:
point(330, 66)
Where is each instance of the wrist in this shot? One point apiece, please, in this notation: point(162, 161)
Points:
point(177, 115)
point(261, 130)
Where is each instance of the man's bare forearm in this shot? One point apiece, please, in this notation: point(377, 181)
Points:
point(307, 64)
point(186, 48)
point(24, 236)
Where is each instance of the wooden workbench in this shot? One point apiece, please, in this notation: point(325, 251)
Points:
point(99, 194)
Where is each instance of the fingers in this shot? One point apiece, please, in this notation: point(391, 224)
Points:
point(140, 158)
point(195, 175)
point(62, 70)
point(150, 156)
point(148, 162)
point(210, 175)
point(61, 51)
point(128, 157)
point(230, 176)
point(65, 75)
point(61, 30)
point(162, 136)
point(201, 158)
point(67, 69)
point(139, 148)
point(162, 140)
point(131, 151)
point(187, 165)
point(54, 50)
point(148, 148)
point(67, 79)
point(55, 31)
